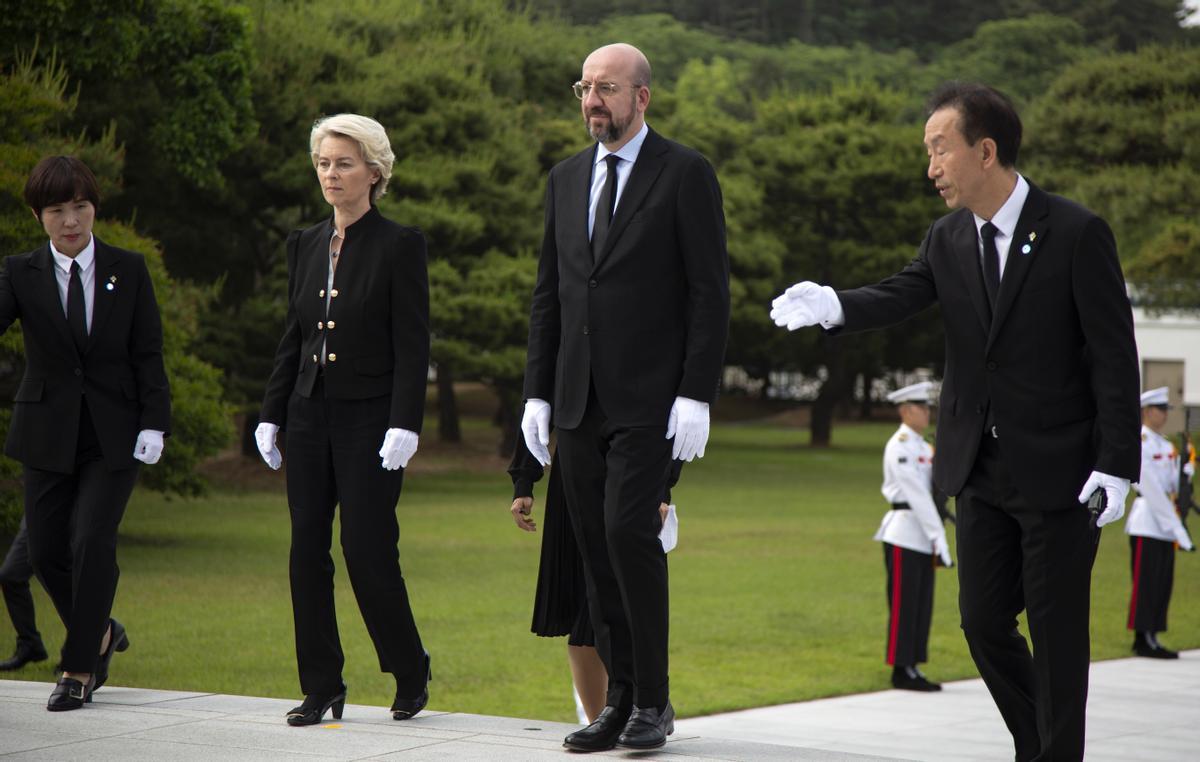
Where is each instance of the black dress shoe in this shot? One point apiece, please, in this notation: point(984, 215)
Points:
point(1152, 649)
point(911, 679)
point(407, 708)
point(315, 706)
point(119, 641)
point(648, 728)
point(24, 655)
point(602, 734)
point(70, 694)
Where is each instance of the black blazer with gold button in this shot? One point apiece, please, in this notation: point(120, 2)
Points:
point(120, 370)
point(376, 331)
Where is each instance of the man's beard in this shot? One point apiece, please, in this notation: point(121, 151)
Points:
point(611, 133)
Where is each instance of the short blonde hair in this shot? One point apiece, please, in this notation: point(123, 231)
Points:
point(372, 141)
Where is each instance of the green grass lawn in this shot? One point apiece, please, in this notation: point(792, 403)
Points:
point(777, 588)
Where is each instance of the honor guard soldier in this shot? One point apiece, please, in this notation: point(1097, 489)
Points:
point(913, 538)
point(1154, 528)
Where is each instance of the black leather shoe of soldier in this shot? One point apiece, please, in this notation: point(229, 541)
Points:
point(911, 679)
point(648, 728)
point(1151, 648)
point(602, 734)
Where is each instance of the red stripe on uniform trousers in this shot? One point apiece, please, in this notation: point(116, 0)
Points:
point(1137, 578)
point(894, 625)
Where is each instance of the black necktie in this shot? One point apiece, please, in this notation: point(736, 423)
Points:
point(604, 208)
point(991, 262)
point(76, 311)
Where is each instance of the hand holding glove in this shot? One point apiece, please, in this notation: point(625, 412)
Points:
point(264, 436)
point(399, 445)
point(942, 550)
point(688, 424)
point(149, 446)
point(1115, 490)
point(807, 303)
point(535, 426)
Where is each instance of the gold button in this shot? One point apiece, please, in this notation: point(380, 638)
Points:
point(333, 293)
point(332, 357)
point(320, 325)
point(322, 294)
point(314, 358)
point(331, 325)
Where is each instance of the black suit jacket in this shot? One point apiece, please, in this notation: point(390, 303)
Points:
point(647, 321)
point(1056, 363)
point(377, 328)
point(121, 369)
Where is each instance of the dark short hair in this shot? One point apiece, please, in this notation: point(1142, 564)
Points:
point(58, 180)
point(984, 112)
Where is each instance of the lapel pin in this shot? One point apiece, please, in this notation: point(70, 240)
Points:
point(1032, 237)
point(1026, 249)
point(112, 281)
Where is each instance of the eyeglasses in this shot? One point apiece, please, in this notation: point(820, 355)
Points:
point(603, 89)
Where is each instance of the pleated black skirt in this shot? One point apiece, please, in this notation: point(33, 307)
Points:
point(560, 601)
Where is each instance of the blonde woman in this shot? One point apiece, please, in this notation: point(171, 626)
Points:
point(349, 390)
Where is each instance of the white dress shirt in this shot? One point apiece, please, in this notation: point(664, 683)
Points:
point(628, 154)
point(87, 276)
point(1005, 220)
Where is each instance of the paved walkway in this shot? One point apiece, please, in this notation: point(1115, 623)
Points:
point(1139, 709)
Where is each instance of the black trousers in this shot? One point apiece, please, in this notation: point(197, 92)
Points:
point(1152, 563)
point(72, 521)
point(1012, 556)
point(910, 604)
point(333, 460)
point(613, 479)
point(15, 573)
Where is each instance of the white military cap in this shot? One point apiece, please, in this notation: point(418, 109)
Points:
point(1157, 396)
point(920, 392)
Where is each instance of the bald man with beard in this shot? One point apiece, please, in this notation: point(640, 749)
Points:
point(626, 345)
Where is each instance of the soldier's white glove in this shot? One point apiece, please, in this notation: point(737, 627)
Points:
point(1185, 542)
point(264, 437)
point(399, 445)
point(1115, 490)
point(1189, 470)
point(535, 426)
point(807, 303)
point(688, 424)
point(942, 550)
point(149, 446)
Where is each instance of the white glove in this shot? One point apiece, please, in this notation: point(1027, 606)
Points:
point(688, 424)
point(1115, 489)
point(669, 534)
point(942, 550)
point(807, 303)
point(264, 435)
point(399, 445)
point(1189, 470)
point(149, 446)
point(1185, 542)
point(535, 425)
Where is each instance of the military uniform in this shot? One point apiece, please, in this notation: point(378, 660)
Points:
point(1154, 528)
point(911, 533)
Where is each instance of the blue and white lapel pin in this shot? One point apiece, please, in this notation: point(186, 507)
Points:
point(1029, 246)
point(112, 283)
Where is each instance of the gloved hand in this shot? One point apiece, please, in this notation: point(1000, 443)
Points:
point(264, 436)
point(1189, 470)
point(399, 445)
point(942, 550)
point(807, 303)
point(149, 446)
point(535, 426)
point(1115, 489)
point(1185, 541)
point(688, 424)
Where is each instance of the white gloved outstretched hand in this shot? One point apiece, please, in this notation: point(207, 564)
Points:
point(149, 446)
point(942, 550)
point(688, 424)
point(399, 445)
point(805, 304)
point(1115, 489)
point(535, 426)
point(264, 436)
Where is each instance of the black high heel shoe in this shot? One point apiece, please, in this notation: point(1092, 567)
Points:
point(70, 694)
point(118, 641)
point(405, 708)
point(315, 706)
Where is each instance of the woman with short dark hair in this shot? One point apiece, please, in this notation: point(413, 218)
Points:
point(94, 403)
